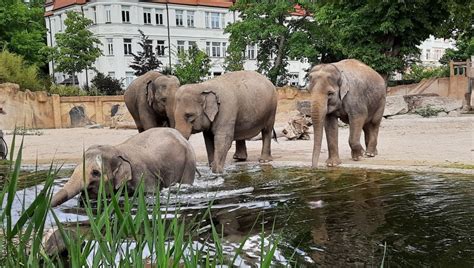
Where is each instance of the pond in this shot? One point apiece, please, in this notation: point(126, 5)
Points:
point(333, 217)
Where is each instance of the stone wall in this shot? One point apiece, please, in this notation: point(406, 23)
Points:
point(38, 110)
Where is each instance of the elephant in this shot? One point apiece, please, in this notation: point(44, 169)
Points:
point(150, 100)
point(161, 156)
point(353, 92)
point(234, 106)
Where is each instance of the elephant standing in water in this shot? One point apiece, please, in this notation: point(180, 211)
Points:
point(234, 106)
point(161, 156)
point(150, 100)
point(353, 92)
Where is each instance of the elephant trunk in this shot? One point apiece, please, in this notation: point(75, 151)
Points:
point(170, 110)
point(75, 184)
point(186, 131)
point(318, 115)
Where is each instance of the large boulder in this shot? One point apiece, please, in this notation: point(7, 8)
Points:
point(433, 101)
point(395, 105)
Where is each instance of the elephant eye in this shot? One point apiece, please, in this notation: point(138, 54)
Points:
point(189, 117)
point(330, 93)
point(95, 173)
point(163, 99)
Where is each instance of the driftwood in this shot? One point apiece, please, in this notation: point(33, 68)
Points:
point(298, 128)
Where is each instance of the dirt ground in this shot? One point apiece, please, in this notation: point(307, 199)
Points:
point(444, 144)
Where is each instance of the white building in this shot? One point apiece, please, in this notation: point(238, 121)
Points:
point(172, 25)
point(432, 49)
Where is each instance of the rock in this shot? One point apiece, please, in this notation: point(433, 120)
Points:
point(121, 118)
point(434, 101)
point(454, 113)
point(298, 128)
point(94, 126)
point(406, 116)
point(442, 114)
point(395, 105)
point(304, 107)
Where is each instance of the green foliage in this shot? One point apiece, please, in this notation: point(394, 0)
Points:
point(463, 51)
point(14, 69)
point(77, 47)
point(107, 85)
point(146, 60)
point(428, 111)
point(22, 29)
point(193, 65)
point(64, 90)
point(114, 237)
point(417, 73)
point(277, 33)
point(383, 34)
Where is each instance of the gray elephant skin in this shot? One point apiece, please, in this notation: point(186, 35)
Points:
point(234, 106)
point(161, 156)
point(150, 100)
point(353, 92)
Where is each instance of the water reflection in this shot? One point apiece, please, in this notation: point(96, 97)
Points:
point(337, 217)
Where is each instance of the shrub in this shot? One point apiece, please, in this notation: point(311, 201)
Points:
point(105, 85)
point(428, 111)
point(63, 90)
point(418, 72)
point(14, 69)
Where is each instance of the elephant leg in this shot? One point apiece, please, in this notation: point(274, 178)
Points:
point(209, 141)
point(371, 140)
point(355, 131)
point(266, 155)
point(331, 128)
point(222, 143)
point(240, 150)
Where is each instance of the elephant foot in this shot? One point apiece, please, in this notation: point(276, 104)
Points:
point(216, 169)
point(357, 154)
point(265, 159)
point(240, 157)
point(371, 154)
point(333, 162)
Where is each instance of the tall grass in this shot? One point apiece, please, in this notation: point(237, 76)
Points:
point(115, 236)
point(14, 69)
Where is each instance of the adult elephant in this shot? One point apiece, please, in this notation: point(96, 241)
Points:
point(150, 100)
point(234, 106)
point(161, 156)
point(353, 92)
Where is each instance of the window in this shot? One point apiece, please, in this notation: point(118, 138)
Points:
point(127, 46)
point(60, 23)
point(159, 17)
point(191, 44)
point(94, 15)
point(111, 74)
point(125, 14)
point(208, 48)
point(215, 19)
point(110, 46)
point(108, 14)
point(180, 46)
point(190, 16)
point(251, 52)
point(160, 47)
point(427, 55)
point(147, 16)
point(128, 78)
point(216, 49)
point(179, 18)
point(207, 20)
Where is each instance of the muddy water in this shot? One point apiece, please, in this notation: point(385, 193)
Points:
point(334, 218)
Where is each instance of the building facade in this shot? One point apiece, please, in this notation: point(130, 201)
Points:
point(172, 25)
point(432, 49)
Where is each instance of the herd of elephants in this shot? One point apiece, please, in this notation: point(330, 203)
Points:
point(233, 107)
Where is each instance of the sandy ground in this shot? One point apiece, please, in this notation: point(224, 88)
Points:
point(443, 144)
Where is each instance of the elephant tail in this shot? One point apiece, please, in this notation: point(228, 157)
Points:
point(274, 135)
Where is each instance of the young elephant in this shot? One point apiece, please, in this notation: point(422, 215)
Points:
point(159, 155)
point(150, 100)
point(353, 92)
point(234, 106)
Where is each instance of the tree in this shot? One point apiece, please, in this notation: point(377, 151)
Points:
point(277, 32)
point(77, 48)
point(193, 65)
point(107, 85)
point(463, 51)
point(146, 60)
point(383, 34)
point(22, 30)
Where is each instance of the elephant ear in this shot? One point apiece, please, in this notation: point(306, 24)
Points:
point(343, 88)
point(122, 172)
point(210, 104)
point(150, 93)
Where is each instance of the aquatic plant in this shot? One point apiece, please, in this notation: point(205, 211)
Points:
point(114, 236)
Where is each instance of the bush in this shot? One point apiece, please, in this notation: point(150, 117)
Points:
point(418, 72)
point(63, 90)
point(14, 69)
point(105, 85)
point(428, 111)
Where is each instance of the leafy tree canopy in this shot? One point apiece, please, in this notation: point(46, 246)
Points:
point(77, 47)
point(145, 60)
point(193, 65)
point(22, 29)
